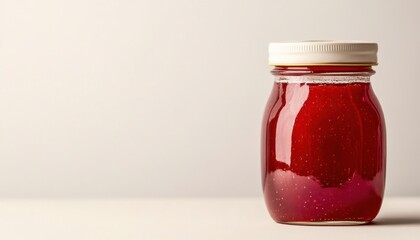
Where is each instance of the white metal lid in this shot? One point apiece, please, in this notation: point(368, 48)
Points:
point(323, 53)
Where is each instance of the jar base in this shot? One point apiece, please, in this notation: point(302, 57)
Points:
point(328, 223)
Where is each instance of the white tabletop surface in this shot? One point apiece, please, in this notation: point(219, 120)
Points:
point(202, 218)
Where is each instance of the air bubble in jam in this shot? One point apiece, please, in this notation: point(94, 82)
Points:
point(323, 152)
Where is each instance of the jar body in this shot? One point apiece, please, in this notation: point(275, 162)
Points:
point(323, 147)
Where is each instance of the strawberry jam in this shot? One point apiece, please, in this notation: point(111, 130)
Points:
point(323, 146)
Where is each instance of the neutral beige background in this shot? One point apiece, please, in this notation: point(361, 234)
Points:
point(125, 98)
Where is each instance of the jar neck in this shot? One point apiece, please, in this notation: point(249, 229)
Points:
point(323, 74)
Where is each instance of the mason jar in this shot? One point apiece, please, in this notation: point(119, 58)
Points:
point(323, 134)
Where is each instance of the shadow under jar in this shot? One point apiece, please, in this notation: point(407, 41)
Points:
point(323, 136)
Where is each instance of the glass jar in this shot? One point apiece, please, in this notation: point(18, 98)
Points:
point(323, 136)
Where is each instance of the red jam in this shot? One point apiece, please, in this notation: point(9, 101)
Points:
point(323, 148)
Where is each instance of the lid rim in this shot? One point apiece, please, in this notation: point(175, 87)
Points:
point(323, 52)
point(322, 64)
